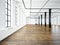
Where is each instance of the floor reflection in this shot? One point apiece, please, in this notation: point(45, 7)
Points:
point(34, 35)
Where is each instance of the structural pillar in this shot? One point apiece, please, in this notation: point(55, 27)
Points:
point(41, 20)
point(45, 19)
point(49, 18)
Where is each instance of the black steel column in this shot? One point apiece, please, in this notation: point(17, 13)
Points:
point(41, 20)
point(45, 19)
point(49, 18)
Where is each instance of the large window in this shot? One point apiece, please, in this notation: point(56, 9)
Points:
point(16, 15)
point(8, 13)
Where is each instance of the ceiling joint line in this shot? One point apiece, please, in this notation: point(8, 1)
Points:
point(23, 4)
point(44, 4)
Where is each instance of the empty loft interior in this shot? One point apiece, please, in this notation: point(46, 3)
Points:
point(29, 22)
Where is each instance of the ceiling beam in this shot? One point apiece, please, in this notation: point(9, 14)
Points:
point(36, 8)
point(43, 12)
point(23, 4)
point(42, 8)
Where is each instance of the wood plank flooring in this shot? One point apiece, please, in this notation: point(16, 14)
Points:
point(34, 35)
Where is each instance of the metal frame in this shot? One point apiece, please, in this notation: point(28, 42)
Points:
point(7, 13)
point(7, 21)
point(45, 19)
point(41, 20)
point(49, 18)
point(43, 12)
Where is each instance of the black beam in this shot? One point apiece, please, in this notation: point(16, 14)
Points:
point(45, 19)
point(40, 8)
point(41, 20)
point(49, 18)
point(23, 4)
point(43, 12)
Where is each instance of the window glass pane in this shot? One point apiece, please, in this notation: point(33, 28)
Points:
point(9, 7)
point(6, 0)
point(8, 23)
point(9, 2)
point(8, 12)
point(6, 5)
point(9, 18)
point(6, 17)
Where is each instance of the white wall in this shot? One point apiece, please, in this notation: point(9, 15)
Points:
point(22, 13)
point(17, 21)
point(2, 14)
point(55, 19)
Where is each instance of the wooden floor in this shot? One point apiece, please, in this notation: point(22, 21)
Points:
point(34, 35)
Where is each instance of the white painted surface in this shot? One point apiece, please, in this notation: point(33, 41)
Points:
point(55, 20)
point(4, 33)
point(2, 13)
point(21, 20)
point(21, 17)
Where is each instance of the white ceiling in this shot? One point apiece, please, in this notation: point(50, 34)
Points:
point(40, 3)
point(53, 4)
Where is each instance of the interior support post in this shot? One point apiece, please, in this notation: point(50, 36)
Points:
point(49, 18)
point(45, 19)
point(41, 20)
